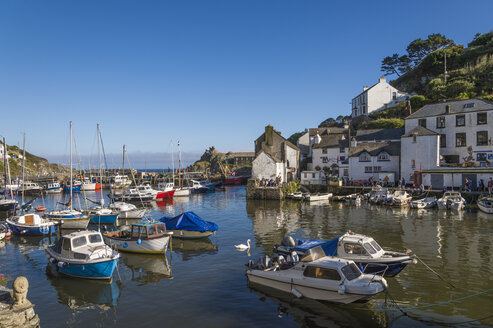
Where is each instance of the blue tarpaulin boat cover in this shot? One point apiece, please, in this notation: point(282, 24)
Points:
point(329, 247)
point(189, 221)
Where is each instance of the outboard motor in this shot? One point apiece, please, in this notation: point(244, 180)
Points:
point(288, 241)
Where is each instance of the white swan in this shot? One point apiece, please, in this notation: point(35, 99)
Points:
point(243, 247)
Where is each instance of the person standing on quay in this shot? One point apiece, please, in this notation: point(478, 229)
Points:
point(490, 186)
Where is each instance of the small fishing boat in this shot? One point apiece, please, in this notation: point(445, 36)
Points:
point(165, 190)
point(144, 237)
point(451, 200)
point(132, 195)
point(53, 188)
point(32, 225)
point(361, 249)
point(317, 277)
point(232, 179)
point(297, 195)
point(88, 185)
point(120, 182)
point(68, 219)
point(189, 225)
point(30, 188)
point(5, 231)
point(198, 188)
point(378, 195)
point(399, 198)
point(83, 254)
point(485, 204)
point(101, 215)
point(127, 211)
point(428, 202)
point(75, 186)
point(182, 192)
point(353, 199)
point(317, 197)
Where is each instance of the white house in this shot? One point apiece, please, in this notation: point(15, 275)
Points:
point(377, 159)
point(377, 97)
point(311, 137)
point(330, 154)
point(311, 177)
point(275, 156)
point(465, 128)
point(420, 150)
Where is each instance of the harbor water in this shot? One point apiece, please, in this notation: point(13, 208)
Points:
point(203, 282)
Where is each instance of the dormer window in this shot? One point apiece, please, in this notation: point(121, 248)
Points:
point(364, 157)
point(469, 105)
point(383, 156)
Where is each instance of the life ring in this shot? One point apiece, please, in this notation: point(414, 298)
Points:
point(40, 209)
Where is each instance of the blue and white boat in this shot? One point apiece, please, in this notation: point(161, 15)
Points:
point(69, 218)
point(83, 254)
point(101, 215)
point(189, 225)
point(32, 225)
point(361, 249)
point(53, 188)
point(75, 187)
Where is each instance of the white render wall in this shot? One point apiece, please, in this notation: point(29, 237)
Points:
point(292, 157)
point(425, 153)
point(450, 130)
point(311, 177)
point(357, 168)
point(333, 155)
point(264, 166)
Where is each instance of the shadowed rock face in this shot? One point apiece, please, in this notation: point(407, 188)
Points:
point(15, 309)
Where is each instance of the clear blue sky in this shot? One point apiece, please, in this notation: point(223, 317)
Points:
point(206, 72)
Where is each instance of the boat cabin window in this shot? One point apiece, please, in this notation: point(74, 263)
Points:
point(79, 241)
point(376, 246)
point(351, 271)
point(94, 239)
point(135, 231)
point(66, 244)
point(370, 248)
point(353, 248)
point(321, 273)
point(161, 228)
point(151, 230)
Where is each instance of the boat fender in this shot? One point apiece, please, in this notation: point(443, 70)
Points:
point(415, 261)
point(139, 241)
point(296, 293)
point(125, 245)
point(62, 264)
point(52, 260)
point(342, 289)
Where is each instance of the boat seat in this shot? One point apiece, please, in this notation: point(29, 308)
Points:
point(29, 219)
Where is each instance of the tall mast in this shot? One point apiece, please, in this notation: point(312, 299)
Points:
point(172, 163)
point(5, 163)
point(123, 166)
point(71, 183)
point(23, 164)
point(180, 181)
point(99, 160)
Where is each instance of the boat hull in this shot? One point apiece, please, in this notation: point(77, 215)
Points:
point(185, 234)
point(45, 229)
point(485, 206)
point(10, 206)
point(74, 188)
point(99, 270)
point(72, 223)
point(164, 194)
point(103, 219)
point(255, 277)
point(145, 246)
point(182, 192)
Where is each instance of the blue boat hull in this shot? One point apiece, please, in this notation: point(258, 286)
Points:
point(103, 219)
point(34, 231)
point(8, 207)
point(74, 188)
point(99, 270)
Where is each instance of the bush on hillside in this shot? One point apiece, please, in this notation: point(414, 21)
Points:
point(417, 102)
point(384, 123)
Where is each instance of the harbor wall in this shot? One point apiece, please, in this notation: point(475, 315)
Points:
point(256, 192)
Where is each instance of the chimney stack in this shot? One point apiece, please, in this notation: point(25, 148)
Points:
point(269, 135)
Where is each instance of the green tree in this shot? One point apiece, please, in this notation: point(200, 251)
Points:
point(294, 137)
point(390, 65)
point(384, 123)
point(417, 101)
point(418, 49)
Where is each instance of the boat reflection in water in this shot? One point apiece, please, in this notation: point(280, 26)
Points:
point(83, 294)
point(313, 313)
point(147, 269)
point(189, 248)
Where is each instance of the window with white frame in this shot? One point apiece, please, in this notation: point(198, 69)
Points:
point(377, 168)
point(364, 157)
point(368, 169)
point(383, 156)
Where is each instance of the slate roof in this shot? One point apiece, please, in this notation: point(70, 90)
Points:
point(456, 107)
point(393, 148)
point(325, 131)
point(332, 141)
point(420, 131)
point(379, 134)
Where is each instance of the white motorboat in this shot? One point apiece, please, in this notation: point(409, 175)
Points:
point(451, 200)
point(143, 237)
point(68, 219)
point(88, 185)
point(317, 197)
point(428, 202)
point(399, 198)
point(31, 225)
point(53, 188)
point(120, 182)
point(297, 195)
point(485, 204)
point(30, 188)
point(378, 195)
point(127, 211)
point(317, 277)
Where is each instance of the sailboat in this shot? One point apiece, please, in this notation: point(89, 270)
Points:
point(100, 214)
point(69, 218)
point(7, 204)
point(180, 191)
point(30, 224)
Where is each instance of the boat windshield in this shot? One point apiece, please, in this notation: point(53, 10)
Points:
point(376, 246)
point(79, 241)
point(313, 254)
point(370, 248)
point(94, 239)
point(351, 271)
